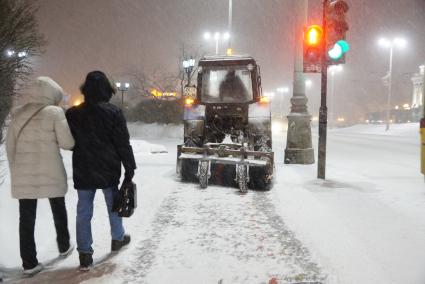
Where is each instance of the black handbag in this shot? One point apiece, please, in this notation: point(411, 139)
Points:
point(125, 200)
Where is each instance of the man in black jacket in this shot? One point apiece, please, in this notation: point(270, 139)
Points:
point(102, 144)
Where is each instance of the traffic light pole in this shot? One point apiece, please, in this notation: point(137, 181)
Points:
point(323, 125)
point(323, 112)
point(422, 127)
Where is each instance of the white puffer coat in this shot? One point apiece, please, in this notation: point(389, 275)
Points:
point(35, 162)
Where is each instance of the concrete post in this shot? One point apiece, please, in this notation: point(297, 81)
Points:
point(299, 148)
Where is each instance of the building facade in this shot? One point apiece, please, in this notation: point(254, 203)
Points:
point(418, 89)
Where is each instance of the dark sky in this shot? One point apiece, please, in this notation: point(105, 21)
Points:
point(120, 35)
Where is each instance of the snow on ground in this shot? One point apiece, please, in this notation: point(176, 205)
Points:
point(364, 224)
point(155, 131)
point(366, 221)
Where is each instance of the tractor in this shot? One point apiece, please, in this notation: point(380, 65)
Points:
point(227, 126)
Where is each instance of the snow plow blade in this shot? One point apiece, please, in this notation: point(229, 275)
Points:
point(226, 164)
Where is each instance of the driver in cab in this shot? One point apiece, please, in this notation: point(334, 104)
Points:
point(232, 88)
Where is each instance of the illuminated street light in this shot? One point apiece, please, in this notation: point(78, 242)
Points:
point(77, 102)
point(308, 83)
point(22, 54)
point(333, 70)
point(282, 91)
point(10, 53)
point(123, 87)
point(386, 43)
point(269, 95)
point(217, 37)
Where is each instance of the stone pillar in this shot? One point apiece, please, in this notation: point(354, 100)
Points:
point(299, 148)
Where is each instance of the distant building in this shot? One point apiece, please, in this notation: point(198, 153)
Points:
point(417, 99)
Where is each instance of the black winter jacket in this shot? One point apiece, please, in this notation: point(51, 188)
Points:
point(102, 143)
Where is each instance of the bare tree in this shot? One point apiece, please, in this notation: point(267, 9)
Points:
point(188, 52)
point(160, 108)
point(20, 40)
point(157, 80)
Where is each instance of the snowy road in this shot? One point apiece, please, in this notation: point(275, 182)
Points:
point(366, 222)
point(363, 225)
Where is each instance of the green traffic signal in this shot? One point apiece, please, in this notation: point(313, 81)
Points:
point(338, 50)
point(344, 45)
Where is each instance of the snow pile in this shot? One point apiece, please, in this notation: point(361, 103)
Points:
point(141, 147)
point(3, 165)
point(365, 222)
point(402, 130)
point(155, 131)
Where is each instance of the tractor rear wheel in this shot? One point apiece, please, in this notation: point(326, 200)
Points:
point(203, 174)
point(242, 178)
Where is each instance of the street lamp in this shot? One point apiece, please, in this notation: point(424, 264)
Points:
point(282, 91)
point(123, 87)
point(188, 65)
point(22, 54)
point(308, 83)
point(217, 36)
point(10, 52)
point(16, 57)
point(386, 43)
point(333, 69)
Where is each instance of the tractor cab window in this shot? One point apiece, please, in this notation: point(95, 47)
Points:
point(224, 85)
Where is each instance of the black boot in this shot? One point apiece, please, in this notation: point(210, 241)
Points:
point(117, 245)
point(86, 261)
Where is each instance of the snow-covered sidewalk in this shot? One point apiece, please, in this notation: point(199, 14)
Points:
point(364, 224)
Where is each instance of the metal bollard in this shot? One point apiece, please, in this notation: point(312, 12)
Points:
point(422, 131)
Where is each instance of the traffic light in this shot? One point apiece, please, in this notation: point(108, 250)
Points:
point(336, 28)
point(313, 46)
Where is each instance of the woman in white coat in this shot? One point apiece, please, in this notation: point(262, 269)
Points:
point(35, 135)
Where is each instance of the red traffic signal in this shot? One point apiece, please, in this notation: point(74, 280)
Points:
point(313, 46)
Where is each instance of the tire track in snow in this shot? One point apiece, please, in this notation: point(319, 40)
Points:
point(221, 237)
point(145, 251)
point(290, 247)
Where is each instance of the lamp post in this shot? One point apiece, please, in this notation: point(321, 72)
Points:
point(299, 147)
point(217, 36)
point(333, 70)
point(123, 87)
point(229, 43)
point(396, 42)
point(188, 65)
